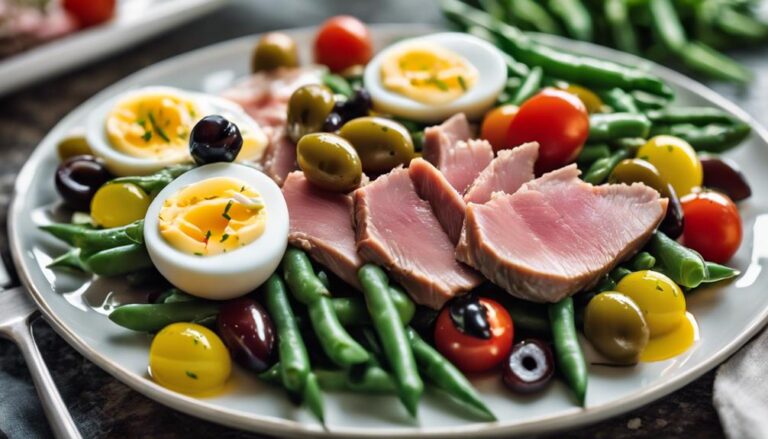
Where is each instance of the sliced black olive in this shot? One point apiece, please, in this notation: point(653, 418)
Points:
point(78, 178)
point(529, 367)
point(215, 139)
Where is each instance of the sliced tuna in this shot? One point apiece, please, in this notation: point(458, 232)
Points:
point(557, 235)
point(398, 231)
point(441, 138)
point(280, 157)
point(463, 163)
point(507, 172)
point(432, 186)
point(321, 225)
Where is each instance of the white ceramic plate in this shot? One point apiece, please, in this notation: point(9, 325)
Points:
point(729, 314)
point(135, 20)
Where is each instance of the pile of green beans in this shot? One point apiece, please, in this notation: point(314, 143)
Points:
point(684, 32)
point(104, 252)
point(152, 184)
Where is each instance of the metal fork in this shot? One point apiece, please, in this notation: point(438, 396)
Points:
point(16, 314)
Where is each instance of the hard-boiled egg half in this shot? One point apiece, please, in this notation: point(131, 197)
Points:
point(433, 77)
point(142, 131)
point(218, 231)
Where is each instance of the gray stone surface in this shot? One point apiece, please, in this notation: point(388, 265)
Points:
point(103, 406)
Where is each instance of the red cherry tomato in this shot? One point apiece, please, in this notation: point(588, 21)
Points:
point(90, 12)
point(496, 126)
point(474, 354)
point(343, 42)
point(558, 121)
point(712, 225)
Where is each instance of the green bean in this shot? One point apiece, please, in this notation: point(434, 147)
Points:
point(601, 169)
point(527, 315)
point(445, 376)
point(272, 375)
point(647, 101)
point(532, 14)
point(741, 25)
point(622, 31)
point(514, 68)
point(494, 8)
point(710, 138)
point(119, 260)
point(292, 351)
point(610, 126)
point(631, 144)
point(618, 273)
point(393, 339)
point(571, 68)
point(529, 87)
point(619, 100)
point(717, 272)
point(177, 296)
point(352, 311)
point(71, 259)
point(152, 317)
point(338, 84)
point(575, 16)
point(309, 290)
point(591, 153)
point(681, 264)
point(313, 396)
point(690, 115)
point(569, 356)
point(373, 380)
point(605, 284)
point(702, 58)
point(94, 240)
point(642, 261)
point(152, 184)
point(667, 26)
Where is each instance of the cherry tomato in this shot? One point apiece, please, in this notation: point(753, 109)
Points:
point(470, 353)
point(496, 126)
point(118, 204)
point(676, 161)
point(343, 42)
point(90, 12)
point(712, 225)
point(558, 121)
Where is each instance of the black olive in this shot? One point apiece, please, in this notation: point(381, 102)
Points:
point(359, 105)
point(215, 139)
point(333, 122)
point(78, 178)
point(672, 224)
point(247, 330)
point(470, 316)
point(725, 176)
point(529, 367)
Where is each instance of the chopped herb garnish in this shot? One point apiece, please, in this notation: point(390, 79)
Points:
point(207, 235)
point(439, 83)
point(462, 83)
point(226, 210)
point(224, 237)
point(141, 122)
point(212, 197)
point(147, 136)
point(242, 188)
point(198, 254)
point(160, 132)
point(191, 375)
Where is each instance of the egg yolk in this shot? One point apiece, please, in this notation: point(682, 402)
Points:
point(152, 125)
point(428, 73)
point(212, 216)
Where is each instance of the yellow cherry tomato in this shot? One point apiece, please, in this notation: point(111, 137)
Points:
point(592, 101)
point(118, 204)
point(658, 297)
point(189, 358)
point(676, 162)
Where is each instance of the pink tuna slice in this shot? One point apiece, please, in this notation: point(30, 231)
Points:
point(557, 235)
point(507, 173)
point(321, 225)
point(398, 231)
point(432, 186)
point(440, 138)
point(280, 157)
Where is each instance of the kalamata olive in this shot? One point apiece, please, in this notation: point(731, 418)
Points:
point(724, 175)
point(616, 327)
point(359, 105)
point(674, 220)
point(382, 143)
point(639, 171)
point(274, 49)
point(78, 178)
point(529, 366)
point(470, 317)
point(333, 122)
point(329, 162)
point(215, 139)
point(74, 144)
point(308, 108)
point(247, 330)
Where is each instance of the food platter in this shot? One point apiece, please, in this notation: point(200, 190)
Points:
point(76, 306)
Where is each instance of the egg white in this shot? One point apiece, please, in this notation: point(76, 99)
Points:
point(485, 57)
point(121, 164)
point(227, 275)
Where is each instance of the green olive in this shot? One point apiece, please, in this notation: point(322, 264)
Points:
point(74, 144)
point(382, 143)
point(274, 50)
point(329, 161)
point(635, 170)
point(615, 326)
point(308, 108)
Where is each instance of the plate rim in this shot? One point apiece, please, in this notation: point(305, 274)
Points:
point(574, 417)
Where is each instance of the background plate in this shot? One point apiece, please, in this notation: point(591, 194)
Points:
point(75, 305)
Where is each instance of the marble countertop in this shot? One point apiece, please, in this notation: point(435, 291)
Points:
point(104, 407)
